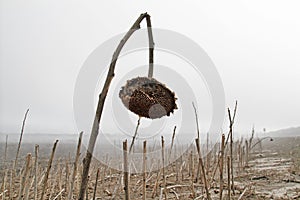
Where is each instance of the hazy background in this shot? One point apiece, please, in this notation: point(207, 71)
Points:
point(254, 45)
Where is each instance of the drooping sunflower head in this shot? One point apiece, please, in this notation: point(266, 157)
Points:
point(148, 98)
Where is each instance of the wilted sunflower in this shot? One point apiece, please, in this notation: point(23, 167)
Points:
point(148, 98)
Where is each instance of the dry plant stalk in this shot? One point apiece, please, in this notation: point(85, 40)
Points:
point(227, 139)
point(28, 185)
point(239, 157)
point(103, 94)
point(198, 175)
point(48, 170)
point(70, 196)
point(247, 153)
point(202, 168)
point(221, 165)
point(251, 139)
point(5, 149)
point(176, 166)
point(135, 134)
point(144, 168)
point(78, 180)
point(116, 189)
point(59, 194)
point(24, 176)
point(243, 157)
point(243, 193)
point(228, 177)
point(163, 166)
point(154, 191)
point(3, 194)
point(231, 120)
point(198, 138)
point(20, 140)
point(59, 177)
point(197, 123)
point(11, 183)
point(66, 184)
point(4, 185)
point(193, 174)
point(96, 183)
point(207, 155)
point(172, 143)
point(190, 165)
point(87, 191)
point(36, 153)
point(126, 171)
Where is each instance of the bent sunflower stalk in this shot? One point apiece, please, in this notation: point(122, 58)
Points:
point(144, 96)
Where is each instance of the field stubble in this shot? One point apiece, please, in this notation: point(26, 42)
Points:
point(270, 172)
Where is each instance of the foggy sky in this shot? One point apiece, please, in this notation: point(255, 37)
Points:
point(43, 44)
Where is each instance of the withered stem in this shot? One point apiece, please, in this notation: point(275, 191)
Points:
point(103, 94)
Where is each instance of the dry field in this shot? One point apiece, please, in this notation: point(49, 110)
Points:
point(267, 171)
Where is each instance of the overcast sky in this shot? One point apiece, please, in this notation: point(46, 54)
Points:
point(43, 44)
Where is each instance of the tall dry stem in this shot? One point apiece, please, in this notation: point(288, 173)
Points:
point(36, 153)
point(24, 176)
point(66, 184)
point(172, 142)
point(192, 174)
point(48, 170)
point(5, 149)
point(247, 153)
point(231, 121)
point(4, 184)
point(228, 177)
point(208, 152)
point(202, 168)
point(163, 166)
point(103, 94)
point(221, 165)
point(11, 183)
point(135, 134)
point(96, 183)
point(154, 191)
point(70, 196)
point(126, 171)
point(144, 168)
point(20, 140)
point(198, 138)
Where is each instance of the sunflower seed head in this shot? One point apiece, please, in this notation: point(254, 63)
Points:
point(148, 98)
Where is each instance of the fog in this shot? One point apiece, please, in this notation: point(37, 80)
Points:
point(253, 44)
